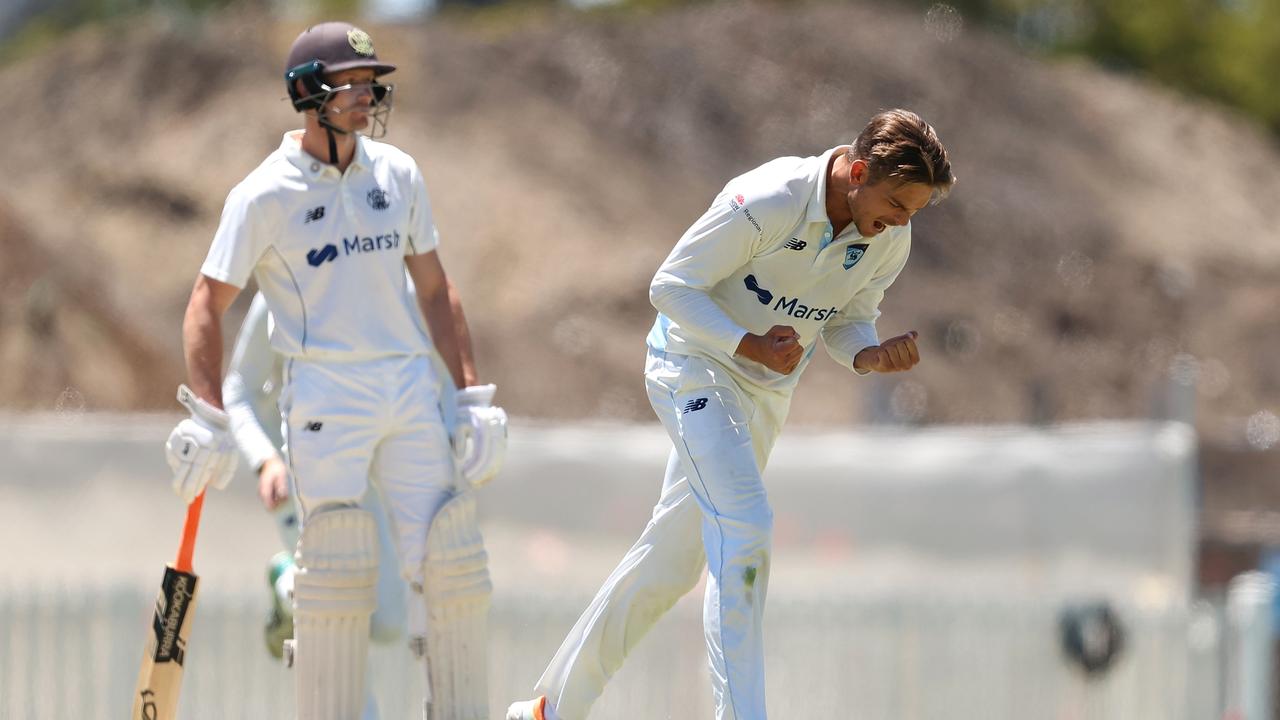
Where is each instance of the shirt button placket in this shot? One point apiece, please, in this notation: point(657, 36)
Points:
point(348, 202)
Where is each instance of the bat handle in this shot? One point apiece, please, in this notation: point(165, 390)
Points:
point(188, 547)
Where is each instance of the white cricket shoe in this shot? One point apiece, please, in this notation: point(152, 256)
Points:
point(535, 709)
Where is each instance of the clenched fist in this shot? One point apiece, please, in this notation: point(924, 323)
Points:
point(779, 349)
point(273, 483)
point(893, 355)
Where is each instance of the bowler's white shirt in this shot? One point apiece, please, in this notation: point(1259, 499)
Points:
point(327, 249)
point(764, 254)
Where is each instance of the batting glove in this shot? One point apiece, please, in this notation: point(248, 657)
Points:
point(201, 449)
point(480, 444)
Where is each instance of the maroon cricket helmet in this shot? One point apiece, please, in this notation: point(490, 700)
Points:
point(336, 46)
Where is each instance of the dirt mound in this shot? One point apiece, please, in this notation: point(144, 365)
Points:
point(1103, 234)
point(57, 335)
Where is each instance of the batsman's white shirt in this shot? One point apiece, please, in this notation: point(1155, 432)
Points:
point(327, 249)
point(361, 395)
point(764, 254)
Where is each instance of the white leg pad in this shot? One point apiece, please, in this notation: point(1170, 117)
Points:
point(334, 593)
point(456, 589)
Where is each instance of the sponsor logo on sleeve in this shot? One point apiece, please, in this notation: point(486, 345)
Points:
point(737, 202)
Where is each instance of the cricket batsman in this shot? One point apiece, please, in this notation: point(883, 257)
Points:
point(796, 250)
point(332, 225)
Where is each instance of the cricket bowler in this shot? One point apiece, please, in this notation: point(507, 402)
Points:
point(796, 250)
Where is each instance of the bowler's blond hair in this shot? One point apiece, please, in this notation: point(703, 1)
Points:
point(899, 145)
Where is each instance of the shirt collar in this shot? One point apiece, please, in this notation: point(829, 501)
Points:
point(291, 146)
point(361, 158)
point(817, 210)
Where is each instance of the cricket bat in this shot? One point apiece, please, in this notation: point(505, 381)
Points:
point(160, 677)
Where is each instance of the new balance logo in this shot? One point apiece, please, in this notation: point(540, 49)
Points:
point(314, 214)
point(753, 285)
point(313, 426)
point(316, 258)
point(694, 405)
point(795, 244)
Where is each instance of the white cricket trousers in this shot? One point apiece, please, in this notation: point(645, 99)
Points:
point(713, 511)
point(349, 422)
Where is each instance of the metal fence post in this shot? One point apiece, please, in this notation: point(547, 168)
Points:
point(1248, 661)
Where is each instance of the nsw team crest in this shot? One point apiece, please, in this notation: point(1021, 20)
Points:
point(853, 254)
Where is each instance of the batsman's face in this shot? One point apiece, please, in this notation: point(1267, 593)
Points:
point(877, 205)
point(349, 106)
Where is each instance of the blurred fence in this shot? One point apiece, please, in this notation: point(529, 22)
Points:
point(933, 592)
point(68, 652)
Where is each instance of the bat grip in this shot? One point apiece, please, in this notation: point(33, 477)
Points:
point(188, 547)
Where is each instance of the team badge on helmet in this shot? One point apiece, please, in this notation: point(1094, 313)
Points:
point(360, 41)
